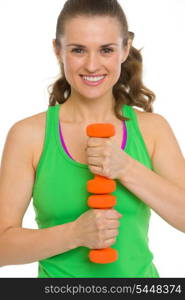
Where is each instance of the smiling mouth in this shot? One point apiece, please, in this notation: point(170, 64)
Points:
point(93, 80)
point(97, 75)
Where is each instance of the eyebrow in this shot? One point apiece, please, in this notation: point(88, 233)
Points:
point(82, 46)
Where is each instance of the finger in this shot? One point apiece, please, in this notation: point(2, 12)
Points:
point(96, 170)
point(110, 242)
point(94, 151)
point(113, 214)
point(112, 224)
point(93, 141)
point(96, 161)
point(109, 234)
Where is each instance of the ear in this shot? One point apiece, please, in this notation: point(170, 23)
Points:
point(127, 50)
point(56, 49)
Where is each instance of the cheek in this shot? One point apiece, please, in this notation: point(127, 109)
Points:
point(114, 64)
point(70, 63)
point(115, 71)
point(71, 66)
point(115, 67)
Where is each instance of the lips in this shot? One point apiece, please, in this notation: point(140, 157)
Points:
point(93, 83)
point(98, 75)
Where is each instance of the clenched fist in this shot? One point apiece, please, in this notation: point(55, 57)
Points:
point(106, 158)
point(97, 228)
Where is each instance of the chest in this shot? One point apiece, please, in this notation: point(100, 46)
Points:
point(75, 139)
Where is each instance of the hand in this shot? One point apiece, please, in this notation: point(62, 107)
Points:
point(106, 158)
point(97, 228)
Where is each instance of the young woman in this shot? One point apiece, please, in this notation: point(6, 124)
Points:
point(49, 156)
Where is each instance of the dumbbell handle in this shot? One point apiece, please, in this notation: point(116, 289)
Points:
point(101, 187)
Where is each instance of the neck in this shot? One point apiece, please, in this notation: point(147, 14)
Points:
point(91, 110)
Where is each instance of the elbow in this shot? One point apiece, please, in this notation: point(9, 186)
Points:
point(4, 246)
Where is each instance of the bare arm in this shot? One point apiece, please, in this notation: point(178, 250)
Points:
point(21, 245)
point(164, 189)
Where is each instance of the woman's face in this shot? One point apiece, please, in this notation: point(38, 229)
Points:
point(92, 46)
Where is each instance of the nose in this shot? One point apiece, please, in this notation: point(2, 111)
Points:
point(92, 63)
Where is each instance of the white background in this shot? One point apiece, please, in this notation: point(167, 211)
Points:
point(28, 65)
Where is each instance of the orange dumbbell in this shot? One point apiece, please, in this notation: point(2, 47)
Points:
point(102, 187)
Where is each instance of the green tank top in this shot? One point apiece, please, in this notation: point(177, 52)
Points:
point(60, 196)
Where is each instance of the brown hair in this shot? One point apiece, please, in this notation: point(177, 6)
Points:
point(129, 88)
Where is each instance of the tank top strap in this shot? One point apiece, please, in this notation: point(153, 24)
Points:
point(129, 112)
point(49, 138)
point(134, 118)
point(50, 122)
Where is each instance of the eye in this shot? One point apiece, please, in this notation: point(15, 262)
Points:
point(76, 50)
point(109, 50)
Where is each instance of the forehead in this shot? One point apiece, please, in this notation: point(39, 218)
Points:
point(100, 28)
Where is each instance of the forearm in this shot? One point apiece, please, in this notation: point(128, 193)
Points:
point(22, 245)
point(163, 196)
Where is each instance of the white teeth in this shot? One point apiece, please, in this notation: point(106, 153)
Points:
point(93, 78)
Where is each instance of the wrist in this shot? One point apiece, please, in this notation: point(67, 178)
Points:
point(126, 170)
point(74, 235)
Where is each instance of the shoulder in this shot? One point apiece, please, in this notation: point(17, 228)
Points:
point(27, 132)
point(152, 126)
point(160, 129)
point(150, 120)
point(29, 127)
point(167, 156)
